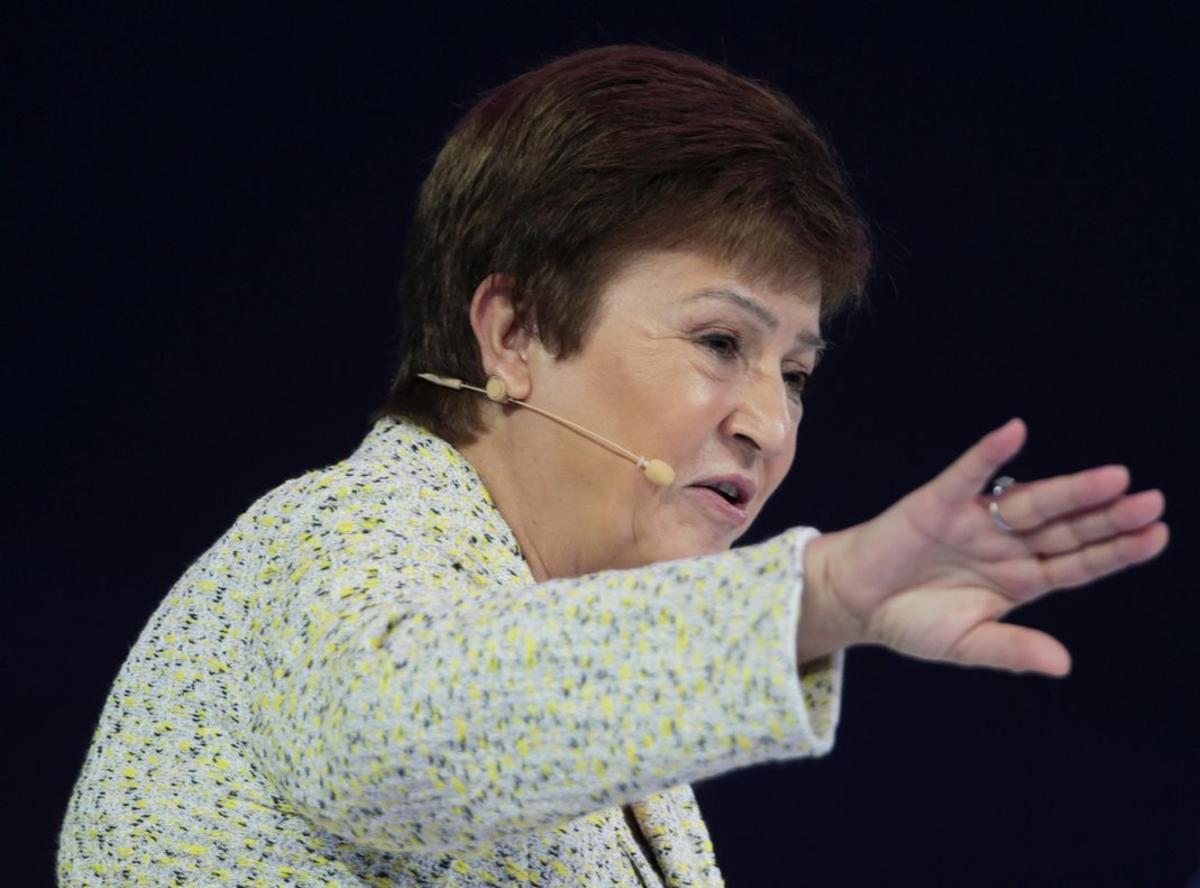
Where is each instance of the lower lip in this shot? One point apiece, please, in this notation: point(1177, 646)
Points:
point(717, 505)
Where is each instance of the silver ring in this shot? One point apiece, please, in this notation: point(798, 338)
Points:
point(1000, 485)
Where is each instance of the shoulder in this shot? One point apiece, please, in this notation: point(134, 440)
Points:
point(397, 466)
point(403, 498)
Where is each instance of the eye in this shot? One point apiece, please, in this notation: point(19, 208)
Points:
point(797, 381)
point(728, 346)
point(723, 345)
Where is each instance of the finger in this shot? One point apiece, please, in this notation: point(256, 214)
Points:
point(962, 480)
point(1029, 506)
point(1084, 565)
point(1126, 515)
point(1015, 648)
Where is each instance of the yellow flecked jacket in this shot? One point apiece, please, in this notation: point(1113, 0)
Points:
point(361, 684)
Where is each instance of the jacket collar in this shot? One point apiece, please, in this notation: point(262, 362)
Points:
point(424, 461)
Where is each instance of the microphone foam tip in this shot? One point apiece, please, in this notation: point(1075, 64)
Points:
point(658, 472)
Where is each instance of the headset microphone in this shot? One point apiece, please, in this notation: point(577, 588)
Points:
point(655, 470)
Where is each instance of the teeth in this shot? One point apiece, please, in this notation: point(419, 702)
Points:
point(728, 489)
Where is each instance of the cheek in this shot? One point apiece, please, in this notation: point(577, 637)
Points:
point(691, 397)
point(661, 403)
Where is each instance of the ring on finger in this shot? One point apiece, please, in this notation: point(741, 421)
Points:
point(1000, 485)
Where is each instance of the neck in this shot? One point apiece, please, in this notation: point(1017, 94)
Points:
point(516, 500)
point(554, 490)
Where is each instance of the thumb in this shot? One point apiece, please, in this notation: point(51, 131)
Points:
point(1012, 647)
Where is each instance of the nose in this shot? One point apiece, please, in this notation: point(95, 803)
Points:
point(764, 415)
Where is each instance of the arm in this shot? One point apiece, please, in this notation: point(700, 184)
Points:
point(422, 713)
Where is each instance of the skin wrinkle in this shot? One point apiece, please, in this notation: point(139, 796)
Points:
point(806, 340)
point(647, 379)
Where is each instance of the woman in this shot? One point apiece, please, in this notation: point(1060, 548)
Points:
point(485, 649)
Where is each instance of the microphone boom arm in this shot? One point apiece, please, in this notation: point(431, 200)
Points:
point(655, 470)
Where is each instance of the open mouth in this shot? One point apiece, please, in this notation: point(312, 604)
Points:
point(728, 491)
point(726, 497)
point(733, 490)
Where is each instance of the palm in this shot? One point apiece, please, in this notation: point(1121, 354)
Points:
point(931, 576)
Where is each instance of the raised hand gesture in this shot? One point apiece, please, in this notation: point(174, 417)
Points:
point(932, 575)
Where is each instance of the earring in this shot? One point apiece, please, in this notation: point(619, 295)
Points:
point(496, 389)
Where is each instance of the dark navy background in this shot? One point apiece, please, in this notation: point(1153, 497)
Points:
point(206, 215)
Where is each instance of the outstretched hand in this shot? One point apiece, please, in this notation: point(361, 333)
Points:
point(932, 575)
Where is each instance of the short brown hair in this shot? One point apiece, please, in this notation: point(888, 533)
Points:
point(561, 175)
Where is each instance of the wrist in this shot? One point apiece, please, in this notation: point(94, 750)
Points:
point(824, 626)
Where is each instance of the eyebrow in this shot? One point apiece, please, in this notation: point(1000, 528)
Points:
point(806, 339)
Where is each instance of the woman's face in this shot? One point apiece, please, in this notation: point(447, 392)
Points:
point(685, 362)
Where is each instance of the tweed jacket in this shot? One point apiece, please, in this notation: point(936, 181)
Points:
point(360, 683)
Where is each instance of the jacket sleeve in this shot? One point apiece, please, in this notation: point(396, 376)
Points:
point(413, 705)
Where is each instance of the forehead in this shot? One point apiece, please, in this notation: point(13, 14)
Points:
point(684, 280)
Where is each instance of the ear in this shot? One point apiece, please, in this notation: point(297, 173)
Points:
point(502, 342)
